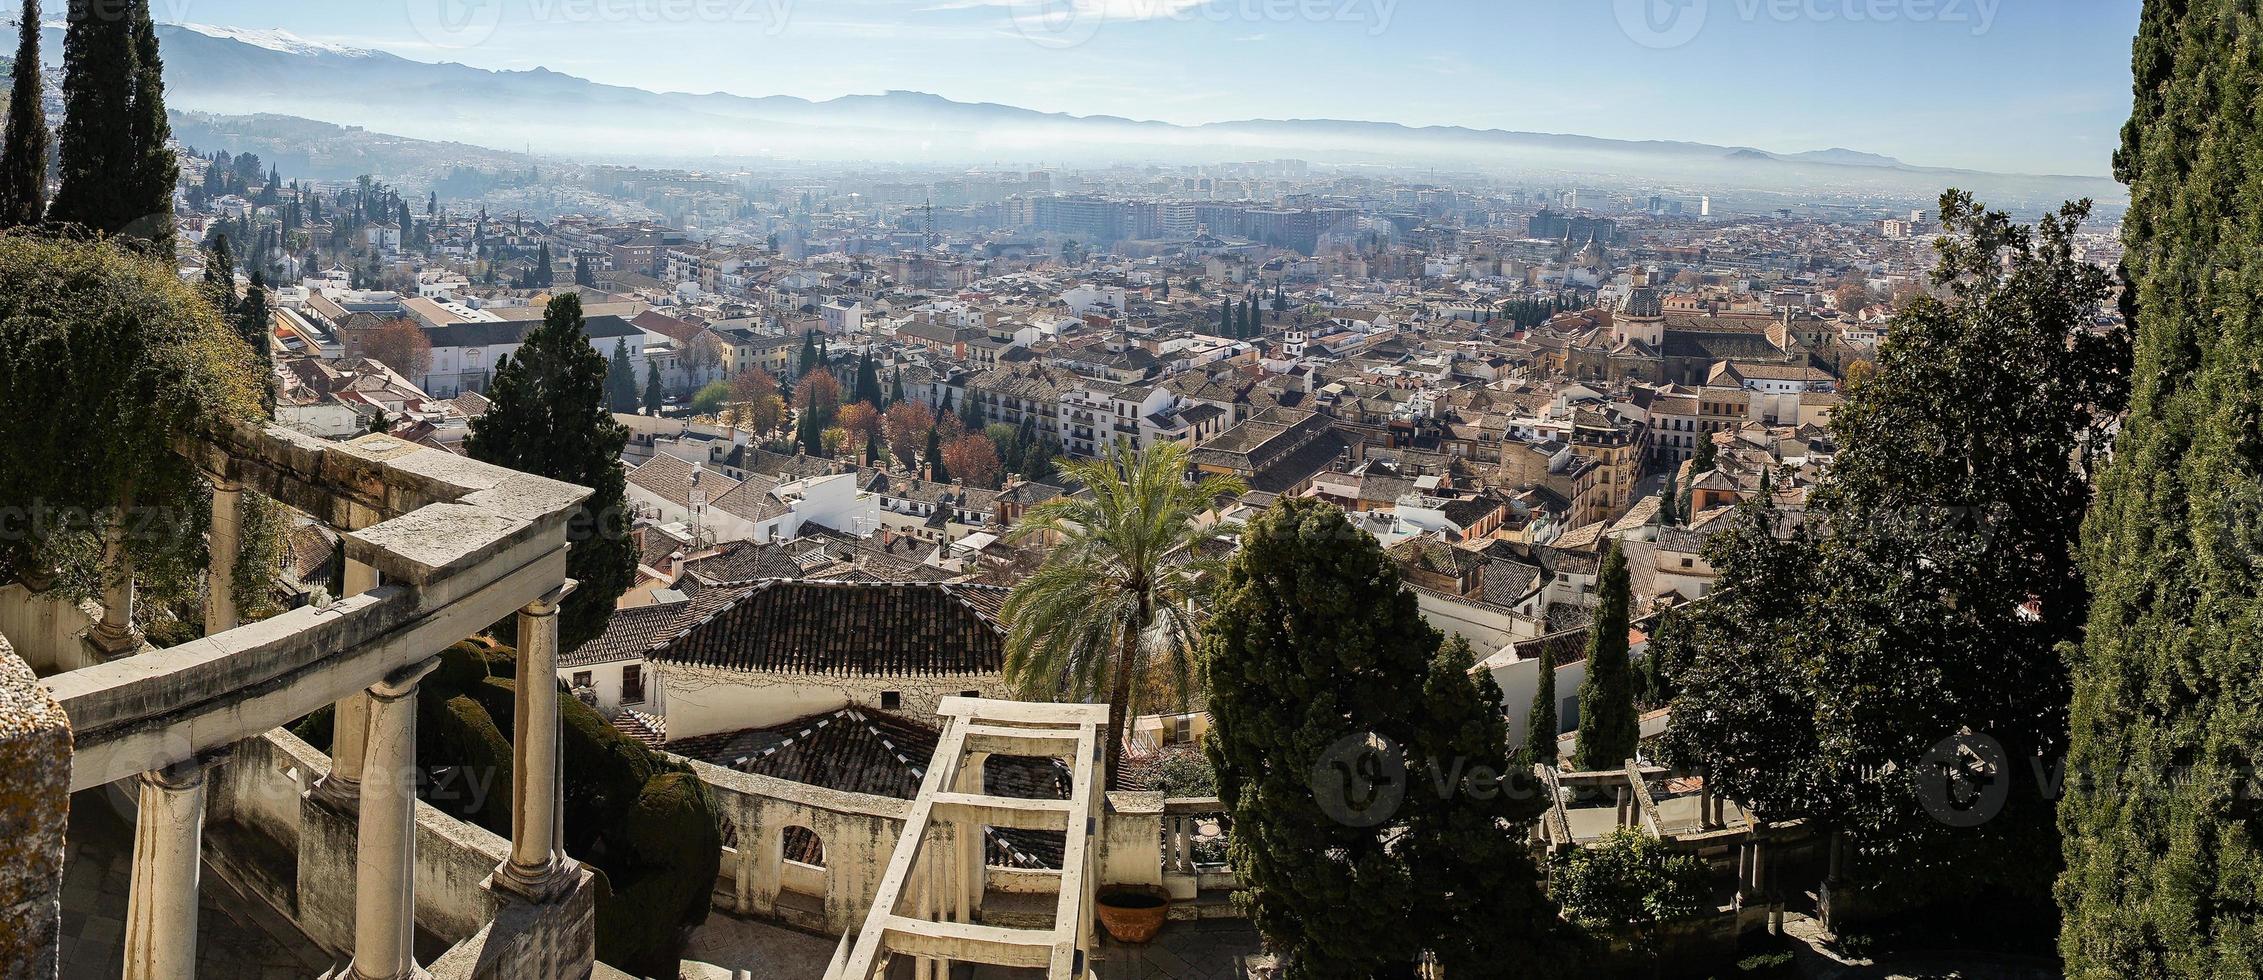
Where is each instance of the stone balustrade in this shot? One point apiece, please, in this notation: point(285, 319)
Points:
point(438, 547)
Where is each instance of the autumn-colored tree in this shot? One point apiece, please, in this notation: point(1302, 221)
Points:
point(905, 426)
point(754, 396)
point(1851, 295)
point(974, 459)
point(819, 394)
point(397, 344)
point(949, 427)
point(861, 420)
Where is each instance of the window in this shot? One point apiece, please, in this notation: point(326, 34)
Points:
point(632, 684)
point(970, 694)
point(891, 700)
point(582, 678)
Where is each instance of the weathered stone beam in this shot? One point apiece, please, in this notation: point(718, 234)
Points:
point(268, 674)
point(1002, 811)
point(994, 945)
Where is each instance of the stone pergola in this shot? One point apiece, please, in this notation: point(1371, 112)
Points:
point(927, 909)
point(438, 548)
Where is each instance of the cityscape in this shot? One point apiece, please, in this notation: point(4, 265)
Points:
point(1130, 490)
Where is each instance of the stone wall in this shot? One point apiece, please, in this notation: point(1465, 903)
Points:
point(46, 631)
point(257, 798)
point(859, 833)
point(35, 804)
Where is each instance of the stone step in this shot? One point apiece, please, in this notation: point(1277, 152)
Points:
point(1018, 910)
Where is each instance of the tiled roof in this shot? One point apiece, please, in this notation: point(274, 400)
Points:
point(632, 631)
point(849, 628)
point(860, 750)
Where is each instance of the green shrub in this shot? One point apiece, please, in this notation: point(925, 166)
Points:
point(673, 853)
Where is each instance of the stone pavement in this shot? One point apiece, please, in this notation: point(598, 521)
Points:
point(97, 865)
point(1208, 949)
point(730, 948)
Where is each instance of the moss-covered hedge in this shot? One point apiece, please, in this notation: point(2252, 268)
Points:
point(647, 827)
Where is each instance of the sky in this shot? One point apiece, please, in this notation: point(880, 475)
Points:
point(2033, 86)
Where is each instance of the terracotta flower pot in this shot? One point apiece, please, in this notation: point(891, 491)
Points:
point(1134, 913)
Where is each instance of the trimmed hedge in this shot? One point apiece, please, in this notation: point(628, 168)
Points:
point(647, 827)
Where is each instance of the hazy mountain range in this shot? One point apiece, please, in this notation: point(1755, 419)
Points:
point(228, 71)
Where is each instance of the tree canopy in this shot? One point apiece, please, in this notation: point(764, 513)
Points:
point(2163, 834)
point(549, 418)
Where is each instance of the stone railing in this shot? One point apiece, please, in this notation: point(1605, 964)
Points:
point(437, 548)
point(856, 831)
point(1174, 844)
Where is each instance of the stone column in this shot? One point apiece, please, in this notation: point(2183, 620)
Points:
point(349, 720)
point(385, 876)
point(114, 634)
point(537, 868)
point(161, 903)
point(220, 613)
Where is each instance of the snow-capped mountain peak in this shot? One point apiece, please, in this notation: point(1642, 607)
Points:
point(277, 40)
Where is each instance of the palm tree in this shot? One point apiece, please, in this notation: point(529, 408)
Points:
point(1116, 596)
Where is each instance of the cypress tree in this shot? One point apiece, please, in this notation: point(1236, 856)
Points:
point(1226, 319)
point(1324, 676)
point(155, 169)
point(1541, 724)
point(23, 158)
point(549, 418)
point(97, 158)
point(544, 275)
point(867, 380)
point(936, 471)
point(808, 350)
point(253, 322)
point(1669, 500)
point(970, 413)
point(620, 380)
point(220, 276)
point(809, 432)
point(2163, 837)
point(653, 396)
point(896, 394)
point(1608, 727)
